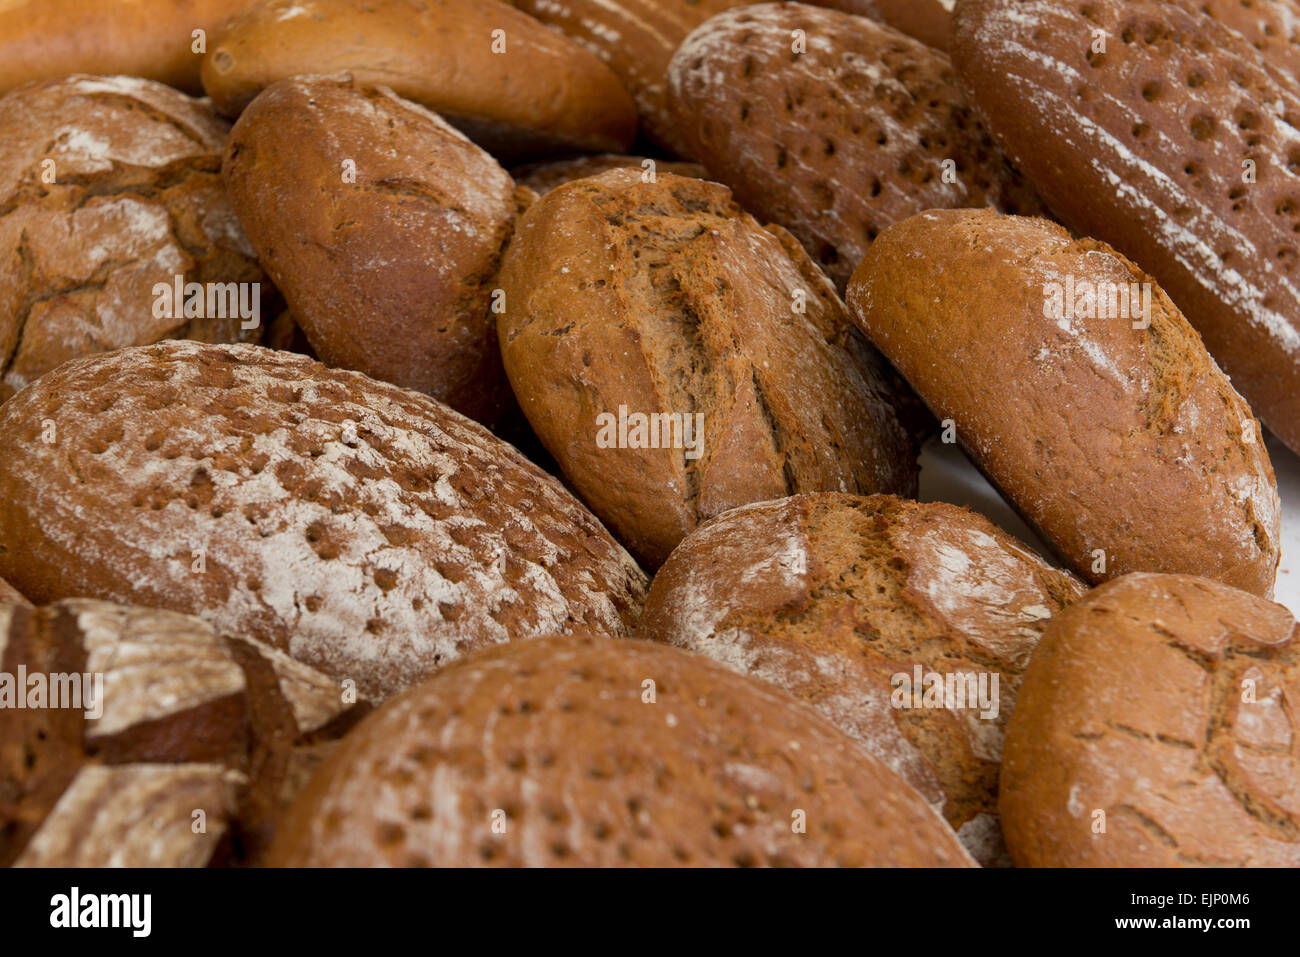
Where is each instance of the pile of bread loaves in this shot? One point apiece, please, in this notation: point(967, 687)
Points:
point(461, 433)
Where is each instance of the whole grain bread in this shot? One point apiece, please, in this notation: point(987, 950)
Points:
point(543, 177)
point(627, 298)
point(366, 530)
point(838, 599)
point(513, 85)
point(1156, 728)
point(585, 751)
point(1126, 447)
point(839, 140)
point(383, 226)
point(929, 21)
point(1176, 146)
point(147, 718)
point(110, 186)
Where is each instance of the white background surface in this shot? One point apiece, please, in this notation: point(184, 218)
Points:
point(946, 476)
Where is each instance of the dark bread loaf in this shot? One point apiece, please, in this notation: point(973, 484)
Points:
point(108, 187)
point(833, 597)
point(1110, 439)
point(930, 21)
point(586, 751)
point(383, 226)
point(146, 718)
point(627, 298)
point(1156, 727)
point(543, 177)
point(513, 85)
point(837, 142)
point(363, 529)
point(1177, 146)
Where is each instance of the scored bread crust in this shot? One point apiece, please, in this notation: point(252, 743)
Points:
point(1106, 437)
point(1156, 728)
point(591, 751)
point(665, 297)
point(362, 529)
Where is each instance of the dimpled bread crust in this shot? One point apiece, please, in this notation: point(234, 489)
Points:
point(363, 529)
point(588, 751)
point(837, 142)
point(1160, 708)
point(830, 596)
point(136, 200)
point(1145, 147)
point(666, 297)
point(1107, 438)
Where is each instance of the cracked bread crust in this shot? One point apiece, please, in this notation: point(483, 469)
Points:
point(1168, 703)
point(597, 752)
point(365, 530)
point(389, 274)
point(666, 298)
point(830, 596)
point(1130, 441)
point(137, 199)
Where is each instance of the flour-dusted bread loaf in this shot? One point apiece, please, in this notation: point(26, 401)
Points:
point(111, 186)
point(587, 751)
point(1157, 727)
point(1126, 447)
point(366, 530)
point(844, 601)
point(636, 39)
point(143, 738)
point(154, 39)
point(839, 140)
point(1177, 146)
point(543, 177)
point(514, 85)
point(383, 226)
point(627, 299)
point(930, 21)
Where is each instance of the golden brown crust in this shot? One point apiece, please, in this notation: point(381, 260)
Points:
point(1155, 728)
point(587, 751)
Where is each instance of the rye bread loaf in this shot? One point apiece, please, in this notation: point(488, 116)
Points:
point(153, 39)
point(629, 299)
point(513, 85)
point(1156, 727)
point(586, 751)
point(144, 718)
point(1125, 447)
point(366, 530)
point(636, 39)
point(838, 141)
point(383, 227)
point(1177, 146)
point(543, 177)
point(838, 599)
point(929, 21)
point(110, 186)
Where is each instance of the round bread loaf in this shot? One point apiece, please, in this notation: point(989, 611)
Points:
point(1177, 146)
point(859, 606)
point(541, 178)
point(363, 529)
point(383, 227)
point(679, 360)
point(515, 86)
point(1156, 727)
point(862, 127)
point(636, 39)
point(585, 751)
point(154, 39)
point(131, 737)
point(112, 200)
point(930, 21)
point(1126, 447)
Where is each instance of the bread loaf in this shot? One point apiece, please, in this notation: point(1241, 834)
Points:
point(1108, 425)
point(367, 531)
point(116, 229)
point(627, 300)
point(586, 751)
point(1155, 728)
